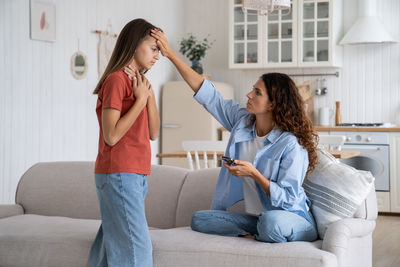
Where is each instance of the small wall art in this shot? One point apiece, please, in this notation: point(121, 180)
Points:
point(43, 21)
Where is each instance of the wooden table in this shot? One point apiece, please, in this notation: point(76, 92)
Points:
point(341, 154)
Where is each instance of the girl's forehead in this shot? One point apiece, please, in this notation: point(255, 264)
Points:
point(150, 40)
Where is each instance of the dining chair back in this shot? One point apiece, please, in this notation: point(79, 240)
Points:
point(331, 142)
point(206, 147)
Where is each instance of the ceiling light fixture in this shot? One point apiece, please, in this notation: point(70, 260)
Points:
point(267, 7)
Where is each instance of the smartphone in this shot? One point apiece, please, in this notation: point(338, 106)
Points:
point(228, 160)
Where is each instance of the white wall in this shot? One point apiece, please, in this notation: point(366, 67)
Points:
point(45, 114)
point(369, 82)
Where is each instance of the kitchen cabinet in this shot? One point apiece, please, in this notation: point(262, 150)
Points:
point(306, 37)
point(383, 201)
point(395, 172)
point(245, 35)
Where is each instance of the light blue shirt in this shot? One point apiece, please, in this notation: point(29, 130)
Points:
point(282, 160)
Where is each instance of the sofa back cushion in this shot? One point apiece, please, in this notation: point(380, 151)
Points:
point(68, 189)
point(59, 189)
point(165, 184)
point(196, 194)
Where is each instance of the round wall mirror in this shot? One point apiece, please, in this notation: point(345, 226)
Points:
point(78, 65)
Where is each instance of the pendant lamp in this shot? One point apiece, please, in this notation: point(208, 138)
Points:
point(267, 7)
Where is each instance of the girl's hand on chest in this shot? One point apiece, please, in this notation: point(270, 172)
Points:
point(141, 87)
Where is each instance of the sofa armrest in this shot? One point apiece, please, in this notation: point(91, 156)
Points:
point(339, 233)
point(8, 210)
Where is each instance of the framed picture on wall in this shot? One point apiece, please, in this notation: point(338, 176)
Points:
point(43, 21)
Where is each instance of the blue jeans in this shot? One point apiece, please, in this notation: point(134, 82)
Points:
point(123, 238)
point(275, 226)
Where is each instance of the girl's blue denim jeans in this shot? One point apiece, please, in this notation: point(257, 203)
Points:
point(123, 238)
point(275, 226)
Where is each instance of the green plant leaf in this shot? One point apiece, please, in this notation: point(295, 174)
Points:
point(193, 49)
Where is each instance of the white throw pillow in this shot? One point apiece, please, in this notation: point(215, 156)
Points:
point(336, 190)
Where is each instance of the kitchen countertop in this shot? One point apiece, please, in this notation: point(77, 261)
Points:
point(349, 129)
point(356, 129)
point(341, 154)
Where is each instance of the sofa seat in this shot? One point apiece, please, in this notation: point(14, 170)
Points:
point(184, 247)
point(56, 216)
point(49, 240)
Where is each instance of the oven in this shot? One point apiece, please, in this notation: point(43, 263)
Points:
point(374, 155)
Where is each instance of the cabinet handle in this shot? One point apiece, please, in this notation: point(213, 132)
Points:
point(166, 125)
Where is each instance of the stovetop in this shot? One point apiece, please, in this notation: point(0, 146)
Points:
point(356, 124)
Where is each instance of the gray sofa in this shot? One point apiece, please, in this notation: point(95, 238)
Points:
point(56, 219)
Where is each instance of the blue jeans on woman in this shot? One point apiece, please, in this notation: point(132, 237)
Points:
point(275, 226)
point(123, 238)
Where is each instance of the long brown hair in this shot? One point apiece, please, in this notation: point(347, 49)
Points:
point(289, 114)
point(131, 36)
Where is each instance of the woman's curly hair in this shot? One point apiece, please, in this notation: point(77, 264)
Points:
point(289, 114)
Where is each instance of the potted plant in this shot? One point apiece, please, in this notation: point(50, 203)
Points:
point(195, 50)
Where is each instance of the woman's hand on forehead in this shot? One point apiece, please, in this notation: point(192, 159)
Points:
point(162, 42)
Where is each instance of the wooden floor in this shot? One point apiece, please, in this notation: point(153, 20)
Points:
point(386, 242)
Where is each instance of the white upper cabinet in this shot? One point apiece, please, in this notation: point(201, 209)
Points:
point(245, 33)
point(320, 28)
point(306, 37)
point(279, 35)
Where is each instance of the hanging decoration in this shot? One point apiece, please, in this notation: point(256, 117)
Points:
point(107, 40)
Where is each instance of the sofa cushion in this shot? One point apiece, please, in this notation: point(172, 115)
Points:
point(59, 189)
point(165, 184)
point(184, 247)
point(336, 190)
point(196, 194)
point(68, 189)
point(34, 240)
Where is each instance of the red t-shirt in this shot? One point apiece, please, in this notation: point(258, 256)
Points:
point(132, 152)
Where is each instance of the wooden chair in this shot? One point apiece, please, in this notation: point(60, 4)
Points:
point(204, 146)
point(331, 142)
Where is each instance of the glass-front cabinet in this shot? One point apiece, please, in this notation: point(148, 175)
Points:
point(246, 32)
point(315, 32)
point(305, 37)
point(280, 38)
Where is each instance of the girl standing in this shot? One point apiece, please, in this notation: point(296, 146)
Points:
point(128, 119)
